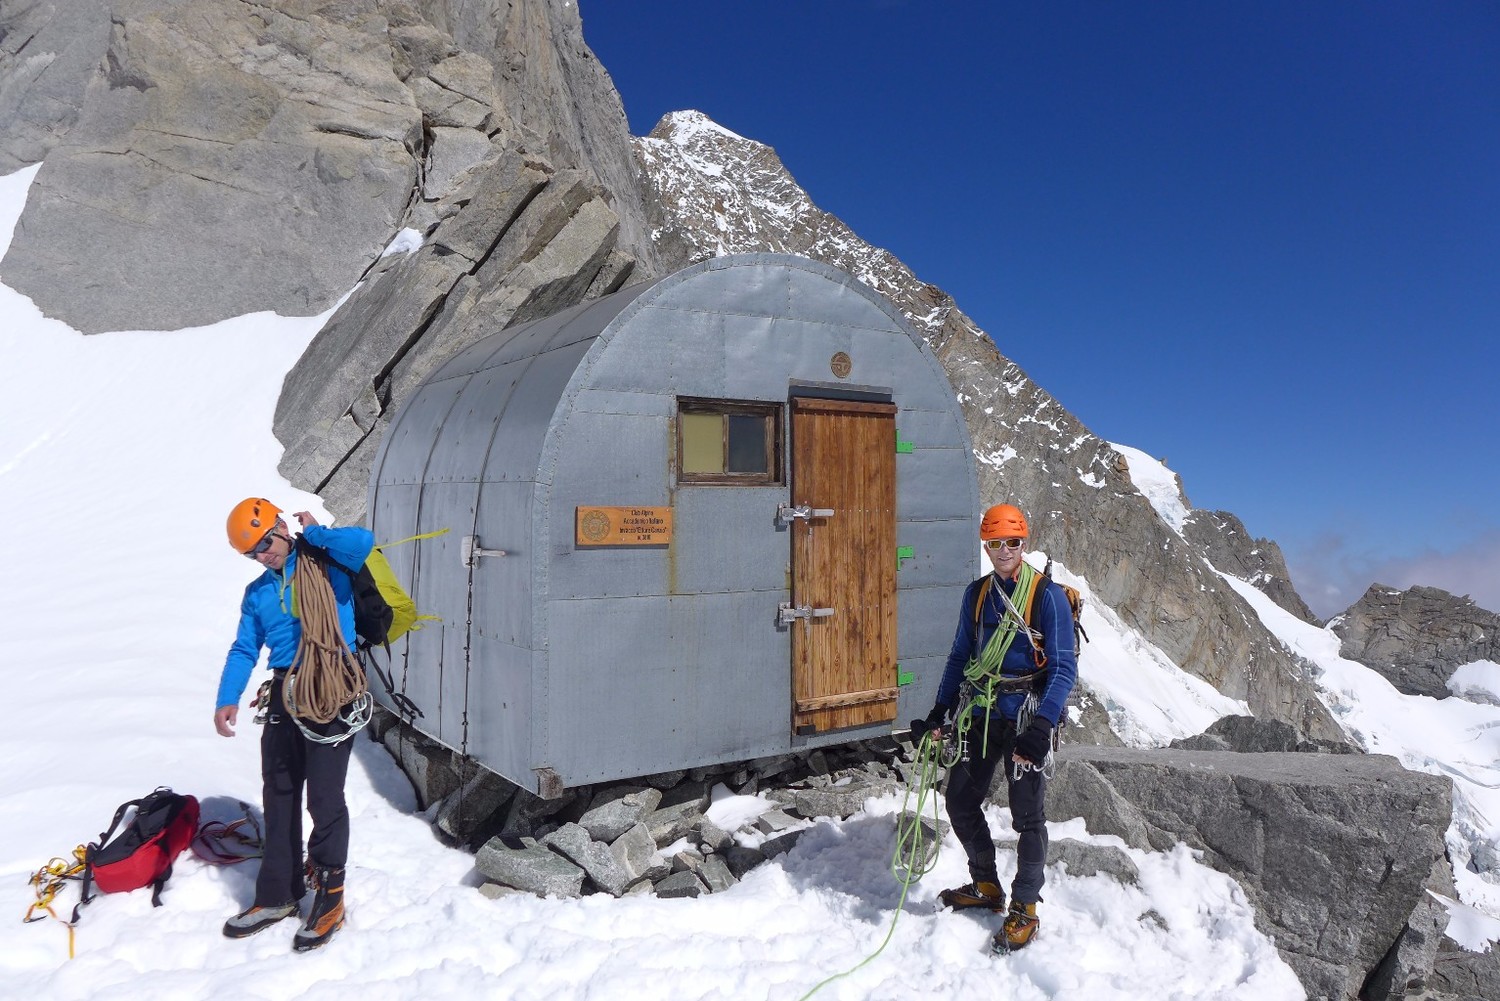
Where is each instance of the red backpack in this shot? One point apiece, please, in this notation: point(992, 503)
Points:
point(163, 825)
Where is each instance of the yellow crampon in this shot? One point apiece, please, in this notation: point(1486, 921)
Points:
point(48, 882)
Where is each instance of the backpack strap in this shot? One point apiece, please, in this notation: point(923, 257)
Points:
point(323, 556)
point(88, 858)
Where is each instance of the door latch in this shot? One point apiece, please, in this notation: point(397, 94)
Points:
point(470, 550)
point(787, 613)
point(786, 513)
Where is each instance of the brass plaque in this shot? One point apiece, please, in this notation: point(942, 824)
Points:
point(623, 526)
point(841, 365)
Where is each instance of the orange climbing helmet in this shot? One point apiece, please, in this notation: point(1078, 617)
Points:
point(250, 520)
point(1003, 521)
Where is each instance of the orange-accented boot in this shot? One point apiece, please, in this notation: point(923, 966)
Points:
point(327, 914)
point(977, 894)
point(1021, 926)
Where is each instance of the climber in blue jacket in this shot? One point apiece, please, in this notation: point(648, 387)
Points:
point(291, 760)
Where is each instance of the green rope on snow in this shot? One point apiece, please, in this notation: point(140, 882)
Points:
point(910, 862)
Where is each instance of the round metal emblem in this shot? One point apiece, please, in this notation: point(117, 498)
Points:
point(841, 365)
point(595, 526)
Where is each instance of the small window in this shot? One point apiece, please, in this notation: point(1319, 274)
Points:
point(726, 442)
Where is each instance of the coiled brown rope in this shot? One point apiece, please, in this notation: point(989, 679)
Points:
point(324, 677)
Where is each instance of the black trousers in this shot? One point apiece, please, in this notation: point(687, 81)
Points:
point(968, 785)
point(291, 765)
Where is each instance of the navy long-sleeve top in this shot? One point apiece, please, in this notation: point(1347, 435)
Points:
point(1054, 619)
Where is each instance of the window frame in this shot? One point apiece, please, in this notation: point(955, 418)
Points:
point(734, 408)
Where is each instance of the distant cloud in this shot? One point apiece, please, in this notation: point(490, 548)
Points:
point(1331, 573)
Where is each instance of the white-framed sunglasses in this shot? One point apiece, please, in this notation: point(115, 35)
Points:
point(993, 544)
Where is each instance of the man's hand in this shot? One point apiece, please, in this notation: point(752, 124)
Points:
point(305, 518)
point(225, 717)
point(1032, 746)
point(933, 724)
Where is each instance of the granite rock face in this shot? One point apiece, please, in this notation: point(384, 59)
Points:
point(1222, 539)
point(206, 158)
point(528, 240)
point(228, 157)
point(1416, 638)
point(1334, 851)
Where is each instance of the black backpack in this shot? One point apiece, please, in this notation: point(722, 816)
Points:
point(373, 615)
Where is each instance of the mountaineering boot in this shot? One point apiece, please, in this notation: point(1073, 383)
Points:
point(327, 914)
point(1021, 926)
point(978, 894)
point(254, 919)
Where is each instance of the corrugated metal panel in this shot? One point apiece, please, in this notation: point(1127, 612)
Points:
point(929, 485)
point(416, 431)
point(724, 287)
point(476, 416)
point(925, 428)
point(501, 709)
point(940, 551)
point(727, 540)
point(643, 685)
point(929, 616)
point(665, 350)
point(801, 351)
point(916, 699)
point(837, 294)
point(516, 451)
point(502, 585)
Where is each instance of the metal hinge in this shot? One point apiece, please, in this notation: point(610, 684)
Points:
point(470, 550)
point(786, 513)
point(787, 613)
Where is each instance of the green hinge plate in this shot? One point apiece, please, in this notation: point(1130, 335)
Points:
point(902, 447)
point(904, 553)
point(904, 677)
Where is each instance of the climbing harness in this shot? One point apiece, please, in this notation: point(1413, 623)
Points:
point(229, 843)
point(984, 681)
point(325, 681)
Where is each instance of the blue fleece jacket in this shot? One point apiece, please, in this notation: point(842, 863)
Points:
point(266, 612)
point(1055, 620)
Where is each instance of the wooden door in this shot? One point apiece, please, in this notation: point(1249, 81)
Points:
point(843, 660)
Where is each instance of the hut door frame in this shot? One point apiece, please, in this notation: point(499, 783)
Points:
point(842, 614)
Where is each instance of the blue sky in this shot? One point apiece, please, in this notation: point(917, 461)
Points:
point(1261, 241)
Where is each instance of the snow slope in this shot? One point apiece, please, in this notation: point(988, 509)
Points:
point(119, 456)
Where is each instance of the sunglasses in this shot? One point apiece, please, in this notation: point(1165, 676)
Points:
point(262, 546)
point(994, 544)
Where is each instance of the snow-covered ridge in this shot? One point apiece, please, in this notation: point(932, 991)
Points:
point(1158, 484)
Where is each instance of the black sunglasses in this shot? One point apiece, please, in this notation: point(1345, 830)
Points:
point(262, 546)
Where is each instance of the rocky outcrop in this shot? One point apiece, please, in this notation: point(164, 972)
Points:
point(714, 192)
point(206, 158)
point(48, 53)
point(228, 157)
point(1223, 541)
point(1462, 975)
point(1334, 851)
point(1417, 638)
point(523, 240)
point(1248, 735)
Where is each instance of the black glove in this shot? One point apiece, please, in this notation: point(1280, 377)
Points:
point(934, 721)
point(1034, 744)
